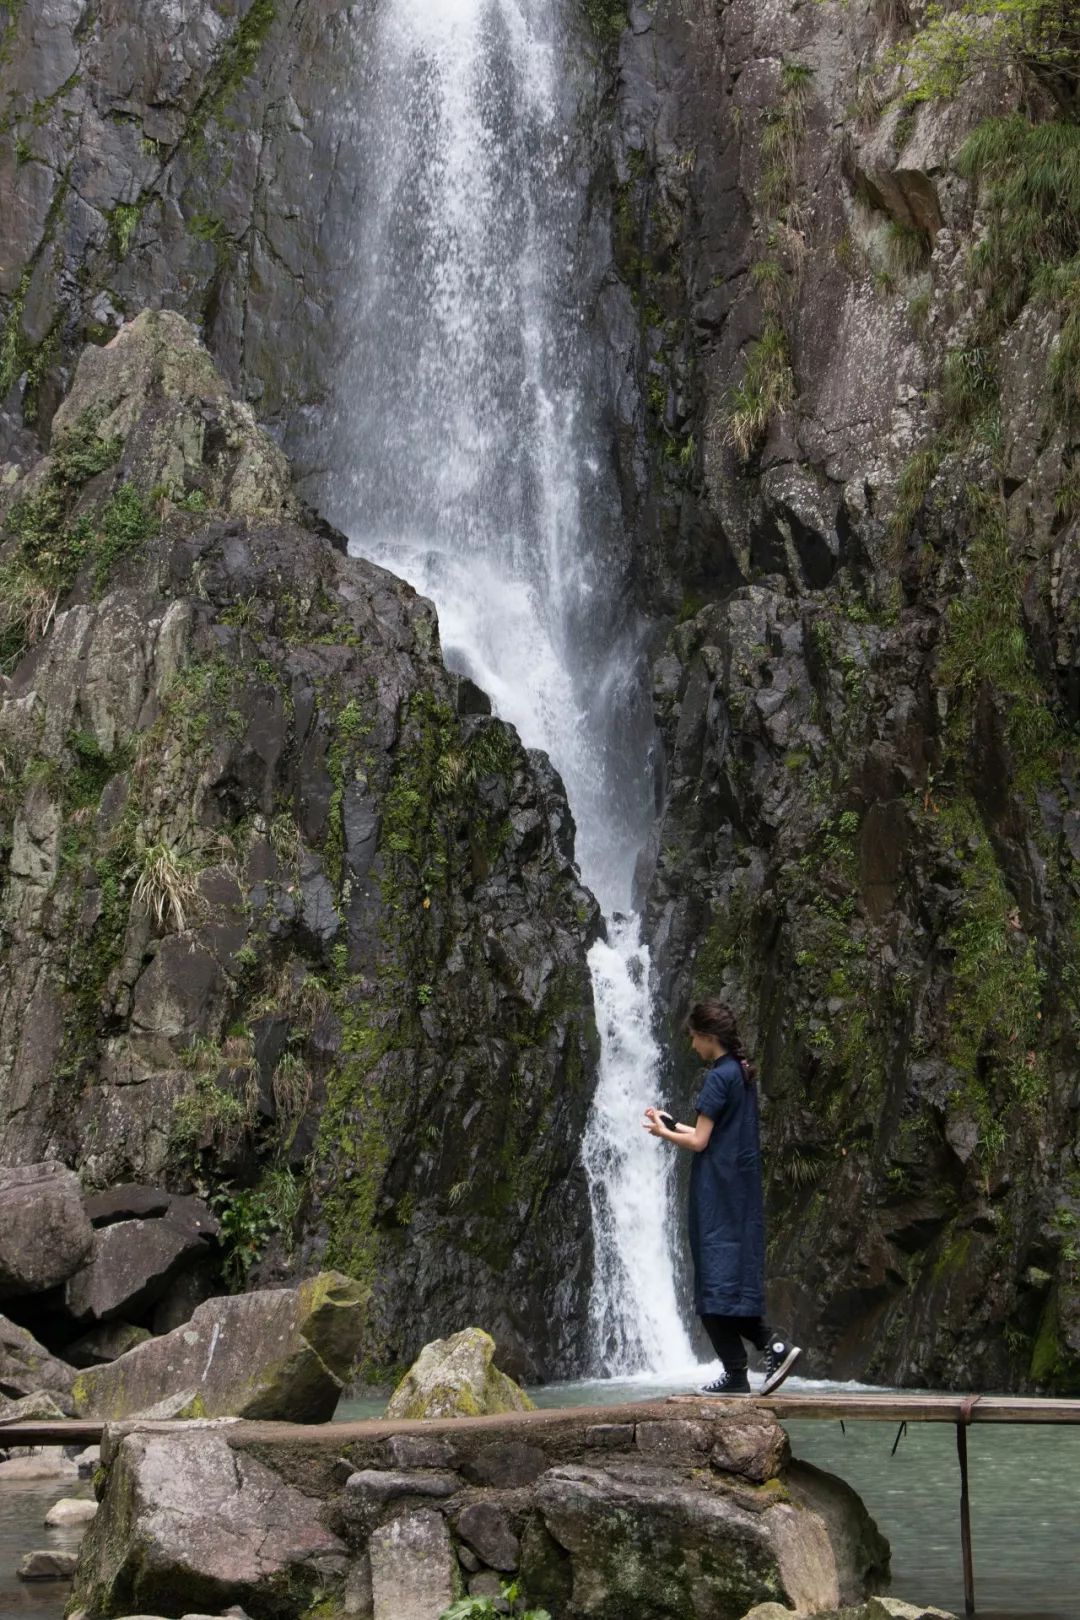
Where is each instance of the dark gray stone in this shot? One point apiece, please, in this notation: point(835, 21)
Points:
point(487, 1530)
point(127, 1203)
point(505, 1464)
point(417, 1451)
point(131, 1265)
point(44, 1230)
point(105, 1343)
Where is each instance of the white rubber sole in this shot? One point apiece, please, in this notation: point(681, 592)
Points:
point(782, 1371)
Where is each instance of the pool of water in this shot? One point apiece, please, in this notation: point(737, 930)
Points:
point(23, 1506)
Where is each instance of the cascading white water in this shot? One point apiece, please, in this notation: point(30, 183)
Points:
point(467, 456)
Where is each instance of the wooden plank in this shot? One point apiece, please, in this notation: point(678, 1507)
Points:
point(899, 1408)
point(51, 1432)
point(824, 1405)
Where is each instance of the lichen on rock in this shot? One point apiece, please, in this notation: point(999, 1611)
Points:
point(457, 1377)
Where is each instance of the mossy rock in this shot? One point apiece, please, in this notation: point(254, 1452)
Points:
point(457, 1377)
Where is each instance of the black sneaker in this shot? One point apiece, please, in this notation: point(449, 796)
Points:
point(780, 1358)
point(729, 1383)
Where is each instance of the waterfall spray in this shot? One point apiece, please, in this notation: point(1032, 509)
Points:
point(466, 451)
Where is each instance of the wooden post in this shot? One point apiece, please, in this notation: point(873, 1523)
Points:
point(965, 1504)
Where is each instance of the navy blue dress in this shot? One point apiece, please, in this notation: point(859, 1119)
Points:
point(727, 1213)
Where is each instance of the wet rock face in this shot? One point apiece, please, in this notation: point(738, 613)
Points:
point(277, 916)
point(193, 165)
point(852, 483)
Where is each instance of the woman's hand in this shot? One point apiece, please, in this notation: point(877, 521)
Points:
point(652, 1122)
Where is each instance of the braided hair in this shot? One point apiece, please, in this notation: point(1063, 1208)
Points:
point(715, 1018)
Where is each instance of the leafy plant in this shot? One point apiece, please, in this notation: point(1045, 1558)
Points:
point(478, 1608)
point(248, 1221)
point(955, 41)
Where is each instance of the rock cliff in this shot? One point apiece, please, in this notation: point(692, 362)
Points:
point(841, 336)
point(287, 916)
point(849, 450)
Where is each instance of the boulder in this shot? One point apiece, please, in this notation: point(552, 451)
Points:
point(643, 1539)
point(276, 1353)
point(487, 1530)
point(48, 1463)
point(130, 1265)
point(46, 1565)
point(70, 1510)
point(26, 1367)
point(106, 1343)
point(129, 1202)
point(40, 1405)
point(45, 1233)
point(457, 1377)
point(412, 1567)
point(877, 1608)
point(189, 1523)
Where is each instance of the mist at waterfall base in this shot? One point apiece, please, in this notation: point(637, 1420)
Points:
point(470, 457)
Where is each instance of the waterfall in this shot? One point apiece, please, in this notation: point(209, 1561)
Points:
point(470, 458)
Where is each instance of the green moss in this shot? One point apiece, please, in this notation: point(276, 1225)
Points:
point(985, 645)
point(607, 19)
point(1053, 1365)
point(123, 223)
point(237, 61)
point(993, 1039)
point(48, 546)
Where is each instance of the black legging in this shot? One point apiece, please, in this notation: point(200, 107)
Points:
point(727, 1334)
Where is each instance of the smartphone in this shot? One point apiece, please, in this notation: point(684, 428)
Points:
point(668, 1122)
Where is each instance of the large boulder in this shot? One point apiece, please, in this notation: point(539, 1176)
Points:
point(605, 1522)
point(45, 1232)
point(131, 1265)
point(26, 1367)
point(456, 1377)
point(276, 1353)
point(189, 1523)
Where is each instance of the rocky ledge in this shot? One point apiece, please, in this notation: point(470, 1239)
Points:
point(285, 915)
point(598, 1513)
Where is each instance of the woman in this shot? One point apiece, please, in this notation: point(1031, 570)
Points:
point(727, 1216)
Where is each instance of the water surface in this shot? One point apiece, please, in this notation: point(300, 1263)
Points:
point(23, 1506)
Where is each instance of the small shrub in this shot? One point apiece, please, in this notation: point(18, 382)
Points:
point(767, 386)
point(956, 41)
point(919, 472)
point(291, 1088)
point(909, 248)
point(167, 887)
point(123, 223)
point(968, 386)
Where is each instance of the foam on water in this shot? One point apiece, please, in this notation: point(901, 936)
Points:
point(467, 456)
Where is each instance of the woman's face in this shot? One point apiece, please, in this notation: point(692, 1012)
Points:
point(707, 1047)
